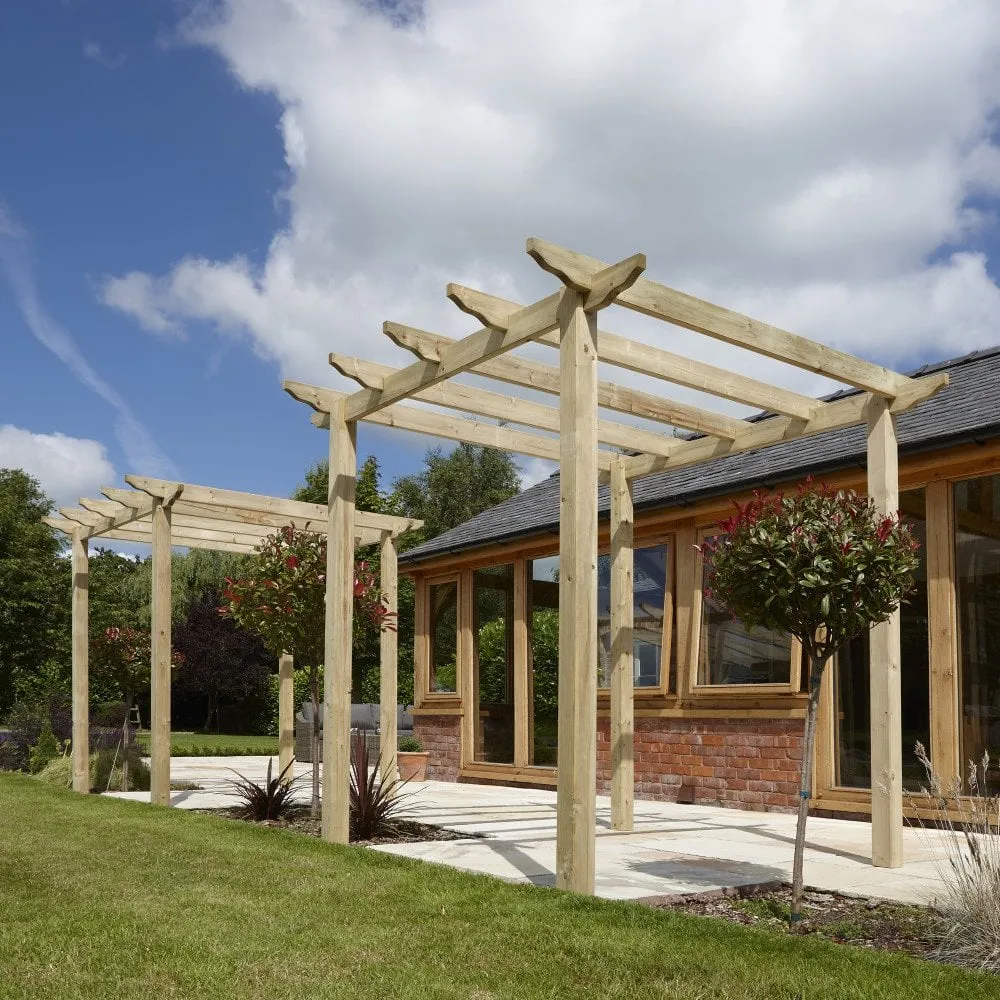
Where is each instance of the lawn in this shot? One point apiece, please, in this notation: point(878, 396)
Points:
point(184, 744)
point(109, 899)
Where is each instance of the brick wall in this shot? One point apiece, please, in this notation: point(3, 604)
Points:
point(744, 764)
point(441, 735)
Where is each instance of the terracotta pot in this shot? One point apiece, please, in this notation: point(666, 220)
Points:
point(413, 766)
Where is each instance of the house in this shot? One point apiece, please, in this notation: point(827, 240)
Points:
point(718, 711)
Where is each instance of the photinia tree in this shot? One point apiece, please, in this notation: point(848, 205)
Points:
point(822, 565)
point(284, 602)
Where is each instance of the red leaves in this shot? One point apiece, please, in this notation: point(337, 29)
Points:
point(292, 562)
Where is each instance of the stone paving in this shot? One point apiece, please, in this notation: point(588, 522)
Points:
point(674, 849)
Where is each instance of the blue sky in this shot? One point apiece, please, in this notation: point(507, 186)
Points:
point(198, 199)
point(126, 149)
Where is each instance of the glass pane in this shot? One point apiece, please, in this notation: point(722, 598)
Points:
point(649, 587)
point(852, 678)
point(977, 569)
point(543, 603)
point(443, 599)
point(729, 654)
point(493, 600)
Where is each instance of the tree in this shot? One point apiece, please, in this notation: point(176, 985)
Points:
point(822, 565)
point(367, 494)
point(455, 487)
point(220, 660)
point(284, 602)
point(34, 617)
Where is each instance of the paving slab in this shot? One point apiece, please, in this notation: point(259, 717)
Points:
point(673, 849)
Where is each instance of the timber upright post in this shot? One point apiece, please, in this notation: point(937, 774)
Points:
point(160, 648)
point(81, 652)
point(339, 624)
point(286, 712)
point(884, 658)
point(577, 726)
point(388, 650)
point(622, 705)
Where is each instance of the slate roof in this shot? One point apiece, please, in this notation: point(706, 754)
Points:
point(967, 409)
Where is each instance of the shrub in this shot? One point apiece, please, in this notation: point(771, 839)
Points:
point(58, 772)
point(109, 715)
point(46, 749)
point(26, 723)
point(268, 801)
point(106, 769)
point(968, 924)
point(410, 744)
point(375, 803)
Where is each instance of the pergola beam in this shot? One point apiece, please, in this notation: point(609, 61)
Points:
point(603, 284)
point(662, 302)
point(545, 378)
point(410, 418)
point(830, 416)
point(491, 310)
point(511, 409)
point(256, 503)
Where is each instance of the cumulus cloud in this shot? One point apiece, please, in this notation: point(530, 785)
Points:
point(827, 167)
point(67, 467)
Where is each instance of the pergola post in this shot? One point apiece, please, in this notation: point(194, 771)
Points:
point(161, 656)
point(286, 712)
point(577, 727)
point(622, 707)
point(81, 663)
point(339, 620)
point(388, 668)
point(884, 658)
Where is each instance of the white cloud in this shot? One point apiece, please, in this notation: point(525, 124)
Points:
point(67, 467)
point(813, 163)
point(141, 450)
point(95, 52)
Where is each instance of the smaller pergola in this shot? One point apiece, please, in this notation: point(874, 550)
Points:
point(165, 514)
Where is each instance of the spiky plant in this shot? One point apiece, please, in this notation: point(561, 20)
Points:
point(270, 800)
point(375, 801)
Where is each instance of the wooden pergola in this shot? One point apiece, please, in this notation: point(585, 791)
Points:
point(567, 320)
point(164, 514)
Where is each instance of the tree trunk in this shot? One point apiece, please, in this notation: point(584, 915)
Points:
point(805, 788)
point(126, 739)
point(314, 694)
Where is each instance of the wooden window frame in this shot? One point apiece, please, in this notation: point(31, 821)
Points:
point(424, 696)
point(695, 689)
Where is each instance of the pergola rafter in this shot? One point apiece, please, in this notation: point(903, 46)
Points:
point(567, 319)
point(164, 514)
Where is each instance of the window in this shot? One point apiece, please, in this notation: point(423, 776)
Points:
point(443, 660)
point(729, 654)
point(977, 572)
point(650, 606)
point(543, 594)
point(493, 636)
point(851, 677)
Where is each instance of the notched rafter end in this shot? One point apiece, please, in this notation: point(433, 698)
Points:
point(490, 310)
point(356, 369)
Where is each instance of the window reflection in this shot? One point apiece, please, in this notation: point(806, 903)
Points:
point(649, 592)
point(493, 636)
point(543, 675)
point(443, 599)
point(729, 654)
point(977, 568)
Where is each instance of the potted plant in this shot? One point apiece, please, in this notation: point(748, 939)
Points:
point(412, 759)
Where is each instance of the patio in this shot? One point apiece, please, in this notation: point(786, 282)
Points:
point(673, 849)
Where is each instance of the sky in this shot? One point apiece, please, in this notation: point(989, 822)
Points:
point(199, 199)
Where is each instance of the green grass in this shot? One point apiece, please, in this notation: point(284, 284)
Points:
point(104, 899)
point(184, 744)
